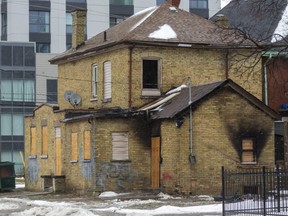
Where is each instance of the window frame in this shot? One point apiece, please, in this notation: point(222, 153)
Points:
point(198, 4)
point(43, 47)
point(94, 81)
point(38, 24)
point(247, 149)
point(69, 23)
point(146, 92)
point(121, 2)
point(4, 23)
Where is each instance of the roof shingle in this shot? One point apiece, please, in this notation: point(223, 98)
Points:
point(189, 28)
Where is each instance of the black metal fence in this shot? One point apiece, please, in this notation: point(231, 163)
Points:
point(262, 191)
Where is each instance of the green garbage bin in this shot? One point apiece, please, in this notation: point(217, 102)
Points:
point(7, 176)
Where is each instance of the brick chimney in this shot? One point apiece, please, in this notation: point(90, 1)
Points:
point(222, 21)
point(78, 27)
point(175, 3)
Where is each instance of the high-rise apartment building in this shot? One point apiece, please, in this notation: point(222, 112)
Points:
point(44, 27)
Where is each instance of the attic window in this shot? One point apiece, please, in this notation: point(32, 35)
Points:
point(248, 151)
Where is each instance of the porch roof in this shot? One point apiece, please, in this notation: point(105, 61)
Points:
point(177, 103)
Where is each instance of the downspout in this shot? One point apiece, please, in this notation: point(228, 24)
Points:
point(265, 79)
point(226, 65)
point(130, 77)
point(192, 158)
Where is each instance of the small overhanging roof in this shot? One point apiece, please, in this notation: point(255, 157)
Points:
point(174, 104)
point(162, 25)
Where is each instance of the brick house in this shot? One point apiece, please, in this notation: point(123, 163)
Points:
point(265, 22)
point(98, 138)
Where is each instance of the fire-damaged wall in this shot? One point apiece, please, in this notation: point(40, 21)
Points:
point(219, 123)
point(243, 122)
point(124, 175)
point(86, 162)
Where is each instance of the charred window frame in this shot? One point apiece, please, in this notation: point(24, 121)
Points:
point(151, 76)
point(248, 150)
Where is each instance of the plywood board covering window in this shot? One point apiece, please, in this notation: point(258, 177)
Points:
point(58, 151)
point(120, 146)
point(74, 140)
point(248, 151)
point(44, 140)
point(33, 141)
point(87, 145)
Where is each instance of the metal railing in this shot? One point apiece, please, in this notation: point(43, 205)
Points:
point(262, 191)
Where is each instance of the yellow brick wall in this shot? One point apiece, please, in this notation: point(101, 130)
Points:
point(130, 175)
point(100, 173)
point(202, 65)
point(218, 124)
point(46, 165)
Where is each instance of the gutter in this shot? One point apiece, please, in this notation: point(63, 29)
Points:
point(266, 80)
point(78, 54)
point(130, 77)
point(192, 158)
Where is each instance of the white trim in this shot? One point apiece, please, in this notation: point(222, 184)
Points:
point(94, 83)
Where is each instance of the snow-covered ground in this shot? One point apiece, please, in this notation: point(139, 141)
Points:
point(106, 204)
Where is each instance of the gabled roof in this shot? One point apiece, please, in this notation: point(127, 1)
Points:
point(261, 20)
point(162, 25)
point(177, 102)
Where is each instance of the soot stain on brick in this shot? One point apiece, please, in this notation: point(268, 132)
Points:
point(142, 131)
point(242, 119)
point(240, 128)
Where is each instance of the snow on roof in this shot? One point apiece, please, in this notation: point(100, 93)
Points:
point(164, 32)
point(281, 30)
point(179, 88)
point(151, 9)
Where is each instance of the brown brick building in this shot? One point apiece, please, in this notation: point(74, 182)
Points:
point(96, 138)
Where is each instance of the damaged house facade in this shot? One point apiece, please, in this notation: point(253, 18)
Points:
point(118, 126)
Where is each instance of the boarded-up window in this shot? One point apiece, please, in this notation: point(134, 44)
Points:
point(87, 145)
point(120, 146)
point(44, 146)
point(33, 141)
point(248, 151)
point(107, 80)
point(58, 152)
point(74, 140)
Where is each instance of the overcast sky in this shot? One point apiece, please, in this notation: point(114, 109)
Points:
point(224, 3)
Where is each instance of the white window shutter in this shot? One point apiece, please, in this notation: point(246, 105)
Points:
point(107, 80)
